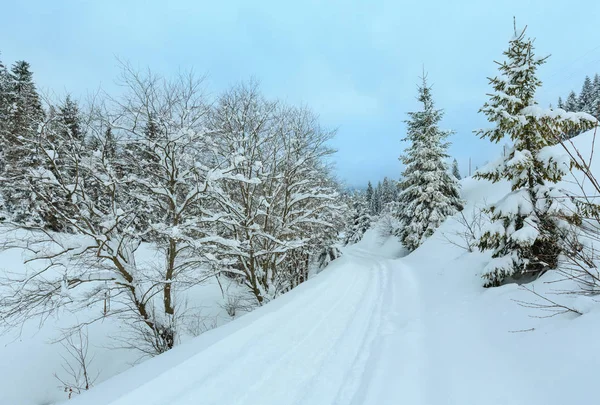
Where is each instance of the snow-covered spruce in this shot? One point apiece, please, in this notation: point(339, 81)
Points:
point(526, 224)
point(360, 219)
point(429, 192)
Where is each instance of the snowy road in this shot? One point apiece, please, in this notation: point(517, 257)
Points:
point(370, 330)
point(337, 341)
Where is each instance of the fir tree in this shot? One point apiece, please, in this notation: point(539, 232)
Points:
point(560, 103)
point(455, 171)
point(4, 110)
point(595, 106)
point(360, 220)
point(24, 118)
point(429, 193)
point(369, 198)
point(70, 119)
point(586, 97)
point(388, 192)
point(572, 104)
point(524, 232)
point(376, 209)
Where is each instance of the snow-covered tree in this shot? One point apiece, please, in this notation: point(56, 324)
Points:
point(370, 199)
point(429, 192)
point(572, 104)
point(525, 224)
point(586, 97)
point(455, 170)
point(25, 114)
point(389, 192)
point(4, 116)
point(279, 200)
point(595, 104)
point(359, 221)
point(103, 206)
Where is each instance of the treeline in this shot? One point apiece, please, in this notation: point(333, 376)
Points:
point(238, 185)
point(588, 99)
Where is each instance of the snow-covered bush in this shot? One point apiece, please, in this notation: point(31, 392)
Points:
point(467, 228)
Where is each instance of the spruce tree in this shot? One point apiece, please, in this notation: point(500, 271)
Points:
point(4, 110)
point(359, 221)
point(586, 97)
point(369, 198)
point(429, 193)
point(388, 192)
point(595, 107)
point(70, 119)
point(455, 171)
point(24, 118)
point(572, 103)
point(377, 199)
point(524, 234)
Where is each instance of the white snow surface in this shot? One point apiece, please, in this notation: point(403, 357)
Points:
point(375, 327)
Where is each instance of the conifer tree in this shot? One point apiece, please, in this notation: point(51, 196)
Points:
point(525, 226)
point(586, 97)
point(376, 209)
point(429, 193)
point(360, 220)
point(24, 118)
point(388, 192)
point(369, 198)
point(455, 171)
point(560, 103)
point(4, 110)
point(572, 104)
point(595, 106)
point(70, 119)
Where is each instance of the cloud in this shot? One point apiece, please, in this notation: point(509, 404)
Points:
point(334, 95)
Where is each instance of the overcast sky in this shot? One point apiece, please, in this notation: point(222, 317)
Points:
point(355, 63)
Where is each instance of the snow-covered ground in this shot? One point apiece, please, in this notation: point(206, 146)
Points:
point(30, 356)
point(375, 327)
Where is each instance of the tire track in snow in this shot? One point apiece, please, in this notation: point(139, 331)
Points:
point(233, 353)
point(359, 369)
point(260, 360)
point(394, 368)
point(308, 357)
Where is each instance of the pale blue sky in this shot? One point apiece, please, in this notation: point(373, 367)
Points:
point(355, 63)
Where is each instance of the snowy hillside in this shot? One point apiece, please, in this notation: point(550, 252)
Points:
point(372, 328)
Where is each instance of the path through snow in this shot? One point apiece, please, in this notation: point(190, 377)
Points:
point(369, 330)
point(351, 336)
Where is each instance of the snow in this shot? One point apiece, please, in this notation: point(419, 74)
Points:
point(375, 327)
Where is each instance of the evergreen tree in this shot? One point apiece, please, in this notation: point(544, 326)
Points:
point(376, 209)
point(24, 118)
point(360, 220)
point(369, 198)
point(455, 171)
point(4, 110)
point(595, 107)
point(429, 193)
point(388, 192)
point(572, 104)
point(70, 119)
point(560, 103)
point(586, 97)
point(525, 231)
